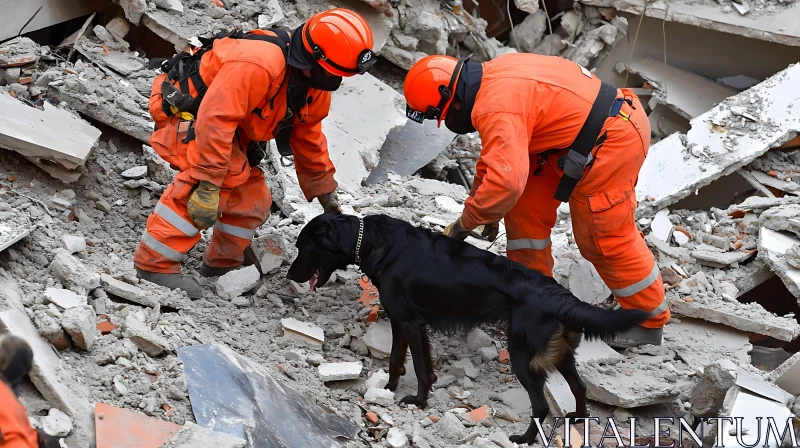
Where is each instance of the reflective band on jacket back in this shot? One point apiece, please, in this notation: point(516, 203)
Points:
point(161, 248)
point(639, 286)
point(239, 232)
point(175, 219)
point(527, 243)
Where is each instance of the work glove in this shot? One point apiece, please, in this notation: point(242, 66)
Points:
point(456, 230)
point(203, 205)
point(330, 203)
point(490, 231)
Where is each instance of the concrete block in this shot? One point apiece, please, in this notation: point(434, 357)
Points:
point(238, 282)
point(377, 380)
point(68, 141)
point(126, 291)
point(147, 341)
point(708, 395)
point(451, 426)
point(56, 423)
point(464, 367)
point(73, 273)
point(136, 172)
point(379, 339)
point(269, 253)
point(339, 371)
point(64, 298)
point(670, 173)
point(787, 375)
point(396, 438)
point(720, 260)
point(773, 248)
point(478, 338)
point(81, 325)
point(488, 354)
point(381, 397)
point(309, 334)
point(73, 243)
point(192, 435)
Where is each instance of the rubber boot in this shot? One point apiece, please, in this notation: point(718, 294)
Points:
point(211, 271)
point(637, 336)
point(172, 281)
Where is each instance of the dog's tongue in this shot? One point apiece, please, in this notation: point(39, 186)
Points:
point(313, 282)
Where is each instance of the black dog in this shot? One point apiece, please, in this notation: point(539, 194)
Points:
point(426, 278)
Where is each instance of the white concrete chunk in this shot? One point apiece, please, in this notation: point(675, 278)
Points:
point(136, 172)
point(478, 338)
point(64, 298)
point(379, 339)
point(772, 248)
point(52, 134)
point(381, 397)
point(238, 282)
point(192, 435)
point(339, 371)
point(311, 335)
point(449, 204)
point(147, 341)
point(377, 380)
point(273, 13)
point(746, 380)
point(126, 290)
point(73, 243)
point(464, 367)
point(73, 273)
point(716, 259)
point(56, 423)
point(661, 226)
point(752, 409)
point(80, 323)
point(669, 174)
point(396, 438)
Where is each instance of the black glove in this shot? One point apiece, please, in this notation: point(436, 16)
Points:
point(255, 153)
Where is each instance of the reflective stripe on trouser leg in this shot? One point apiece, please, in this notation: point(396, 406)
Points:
point(168, 237)
point(528, 243)
point(640, 286)
point(244, 209)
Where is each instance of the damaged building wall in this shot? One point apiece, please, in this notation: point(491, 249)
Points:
point(16, 13)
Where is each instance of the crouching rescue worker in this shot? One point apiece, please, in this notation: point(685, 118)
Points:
point(254, 88)
point(16, 360)
point(552, 132)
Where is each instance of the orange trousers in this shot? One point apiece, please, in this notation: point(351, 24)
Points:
point(602, 210)
point(170, 234)
point(15, 427)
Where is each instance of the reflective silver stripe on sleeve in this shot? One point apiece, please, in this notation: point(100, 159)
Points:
point(639, 286)
point(175, 219)
point(162, 248)
point(527, 243)
point(239, 232)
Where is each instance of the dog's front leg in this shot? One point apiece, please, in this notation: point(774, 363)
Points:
point(397, 360)
point(414, 332)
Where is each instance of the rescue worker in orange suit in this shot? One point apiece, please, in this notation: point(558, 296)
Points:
point(16, 359)
point(254, 92)
point(529, 111)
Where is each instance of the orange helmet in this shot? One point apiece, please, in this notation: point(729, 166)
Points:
point(340, 40)
point(430, 86)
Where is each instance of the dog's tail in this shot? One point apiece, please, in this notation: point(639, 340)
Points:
point(594, 321)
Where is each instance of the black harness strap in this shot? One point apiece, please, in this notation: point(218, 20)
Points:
point(578, 155)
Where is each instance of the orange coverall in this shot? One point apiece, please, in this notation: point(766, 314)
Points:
point(241, 75)
point(528, 105)
point(15, 428)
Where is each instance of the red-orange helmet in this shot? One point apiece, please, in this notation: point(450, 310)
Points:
point(340, 40)
point(430, 86)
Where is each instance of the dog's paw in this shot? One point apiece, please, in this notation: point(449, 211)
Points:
point(412, 399)
point(434, 378)
point(392, 385)
point(520, 440)
point(401, 370)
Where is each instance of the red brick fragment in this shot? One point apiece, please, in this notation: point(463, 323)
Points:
point(372, 417)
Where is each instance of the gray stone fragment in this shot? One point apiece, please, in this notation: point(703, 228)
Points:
point(138, 332)
point(80, 323)
point(56, 423)
point(196, 436)
point(527, 35)
point(73, 273)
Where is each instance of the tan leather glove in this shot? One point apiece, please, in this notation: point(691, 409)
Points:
point(203, 205)
point(456, 230)
point(330, 203)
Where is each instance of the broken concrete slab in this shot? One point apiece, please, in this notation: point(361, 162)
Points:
point(749, 410)
point(377, 380)
point(13, 231)
point(745, 317)
point(686, 93)
point(626, 384)
point(776, 26)
point(192, 435)
point(668, 175)
point(64, 298)
point(55, 383)
point(126, 291)
point(409, 148)
point(787, 375)
point(237, 282)
point(381, 397)
point(139, 332)
point(757, 385)
point(782, 218)
point(760, 204)
point(56, 423)
point(772, 248)
point(73, 243)
point(359, 97)
point(699, 343)
point(309, 334)
point(73, 273)
point(69, 140)
point(81, 325)
point(339, 371)
point(720, 260)
point(379, 339)
point(708, 395)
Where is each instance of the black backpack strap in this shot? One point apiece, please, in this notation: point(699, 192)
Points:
point(578, 155)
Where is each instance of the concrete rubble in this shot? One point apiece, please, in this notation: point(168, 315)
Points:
point(67, 280)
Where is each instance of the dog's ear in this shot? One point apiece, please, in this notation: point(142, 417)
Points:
point(325, 236)
point(372, 263)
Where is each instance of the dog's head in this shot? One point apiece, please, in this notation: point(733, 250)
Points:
point(325, 244)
